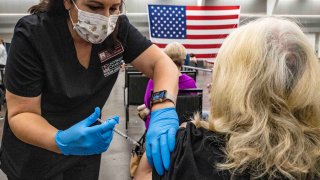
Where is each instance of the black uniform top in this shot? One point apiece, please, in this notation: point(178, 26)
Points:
point(43, 61)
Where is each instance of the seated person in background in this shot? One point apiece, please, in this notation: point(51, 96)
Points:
point(3, 54)
point(187, 60)
point(264, 119)
point(193, 59)
point(177, 53)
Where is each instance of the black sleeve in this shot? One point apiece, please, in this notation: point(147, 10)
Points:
point(24, 73)
point(134, 42)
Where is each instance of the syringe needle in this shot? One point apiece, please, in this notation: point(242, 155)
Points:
point(122, 134)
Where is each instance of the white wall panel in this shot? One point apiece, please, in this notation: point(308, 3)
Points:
point(312, 39)
point(16, 6)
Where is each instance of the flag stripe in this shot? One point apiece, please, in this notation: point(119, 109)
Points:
point(194, 46)
point(213, 22)
point(216, 8)
point(215, 36)
point(187, 41)
point(205, 32)
point(210, 13)
point(212, 17)
point(198, 27)
point(199, 56)
point(204, 51)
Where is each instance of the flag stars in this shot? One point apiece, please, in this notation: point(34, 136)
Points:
point(167, 22)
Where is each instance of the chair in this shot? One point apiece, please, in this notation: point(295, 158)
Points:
point(137, 84)
point(2, 87)
point(200, 64)
point(192, 74)
point(189, 101)
point(127, 69)
point(192, 63)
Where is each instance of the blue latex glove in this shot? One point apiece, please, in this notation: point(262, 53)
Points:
point(161, 138)
point(81, 139)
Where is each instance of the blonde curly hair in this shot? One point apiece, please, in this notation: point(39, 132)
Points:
point(265, 97)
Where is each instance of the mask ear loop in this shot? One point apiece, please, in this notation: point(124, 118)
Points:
point(73, 24)
point(75, 5)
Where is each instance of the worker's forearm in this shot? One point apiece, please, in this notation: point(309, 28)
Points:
point(33, 129)
point(165, 77)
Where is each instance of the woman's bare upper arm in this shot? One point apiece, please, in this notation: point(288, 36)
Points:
point(19, 104)
point(146, 60)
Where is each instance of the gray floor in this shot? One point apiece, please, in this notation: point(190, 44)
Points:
point(115, 162)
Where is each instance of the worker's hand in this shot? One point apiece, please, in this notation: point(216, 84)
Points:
point(81, 139)
point(161, 138)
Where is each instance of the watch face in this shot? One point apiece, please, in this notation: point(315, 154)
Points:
point(158, 95)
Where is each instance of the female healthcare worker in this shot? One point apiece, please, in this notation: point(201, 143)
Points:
point(64, 61)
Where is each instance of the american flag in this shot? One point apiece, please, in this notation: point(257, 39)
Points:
point(201, 29)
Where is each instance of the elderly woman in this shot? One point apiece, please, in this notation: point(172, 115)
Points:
point(264, 120)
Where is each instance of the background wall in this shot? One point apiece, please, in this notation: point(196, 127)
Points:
point(307, 13)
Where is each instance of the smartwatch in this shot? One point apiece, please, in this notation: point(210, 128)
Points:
point(161, 96)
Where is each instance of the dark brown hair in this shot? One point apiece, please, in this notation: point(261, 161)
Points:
point(53, 7)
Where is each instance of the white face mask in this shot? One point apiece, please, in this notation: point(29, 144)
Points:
point(94, 28)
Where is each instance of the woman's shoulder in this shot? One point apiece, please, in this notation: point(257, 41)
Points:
point(186, 81)
point(33, 19)
point(189, 132)
point(32, 22)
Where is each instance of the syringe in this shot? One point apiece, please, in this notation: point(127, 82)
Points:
point(122, 134)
